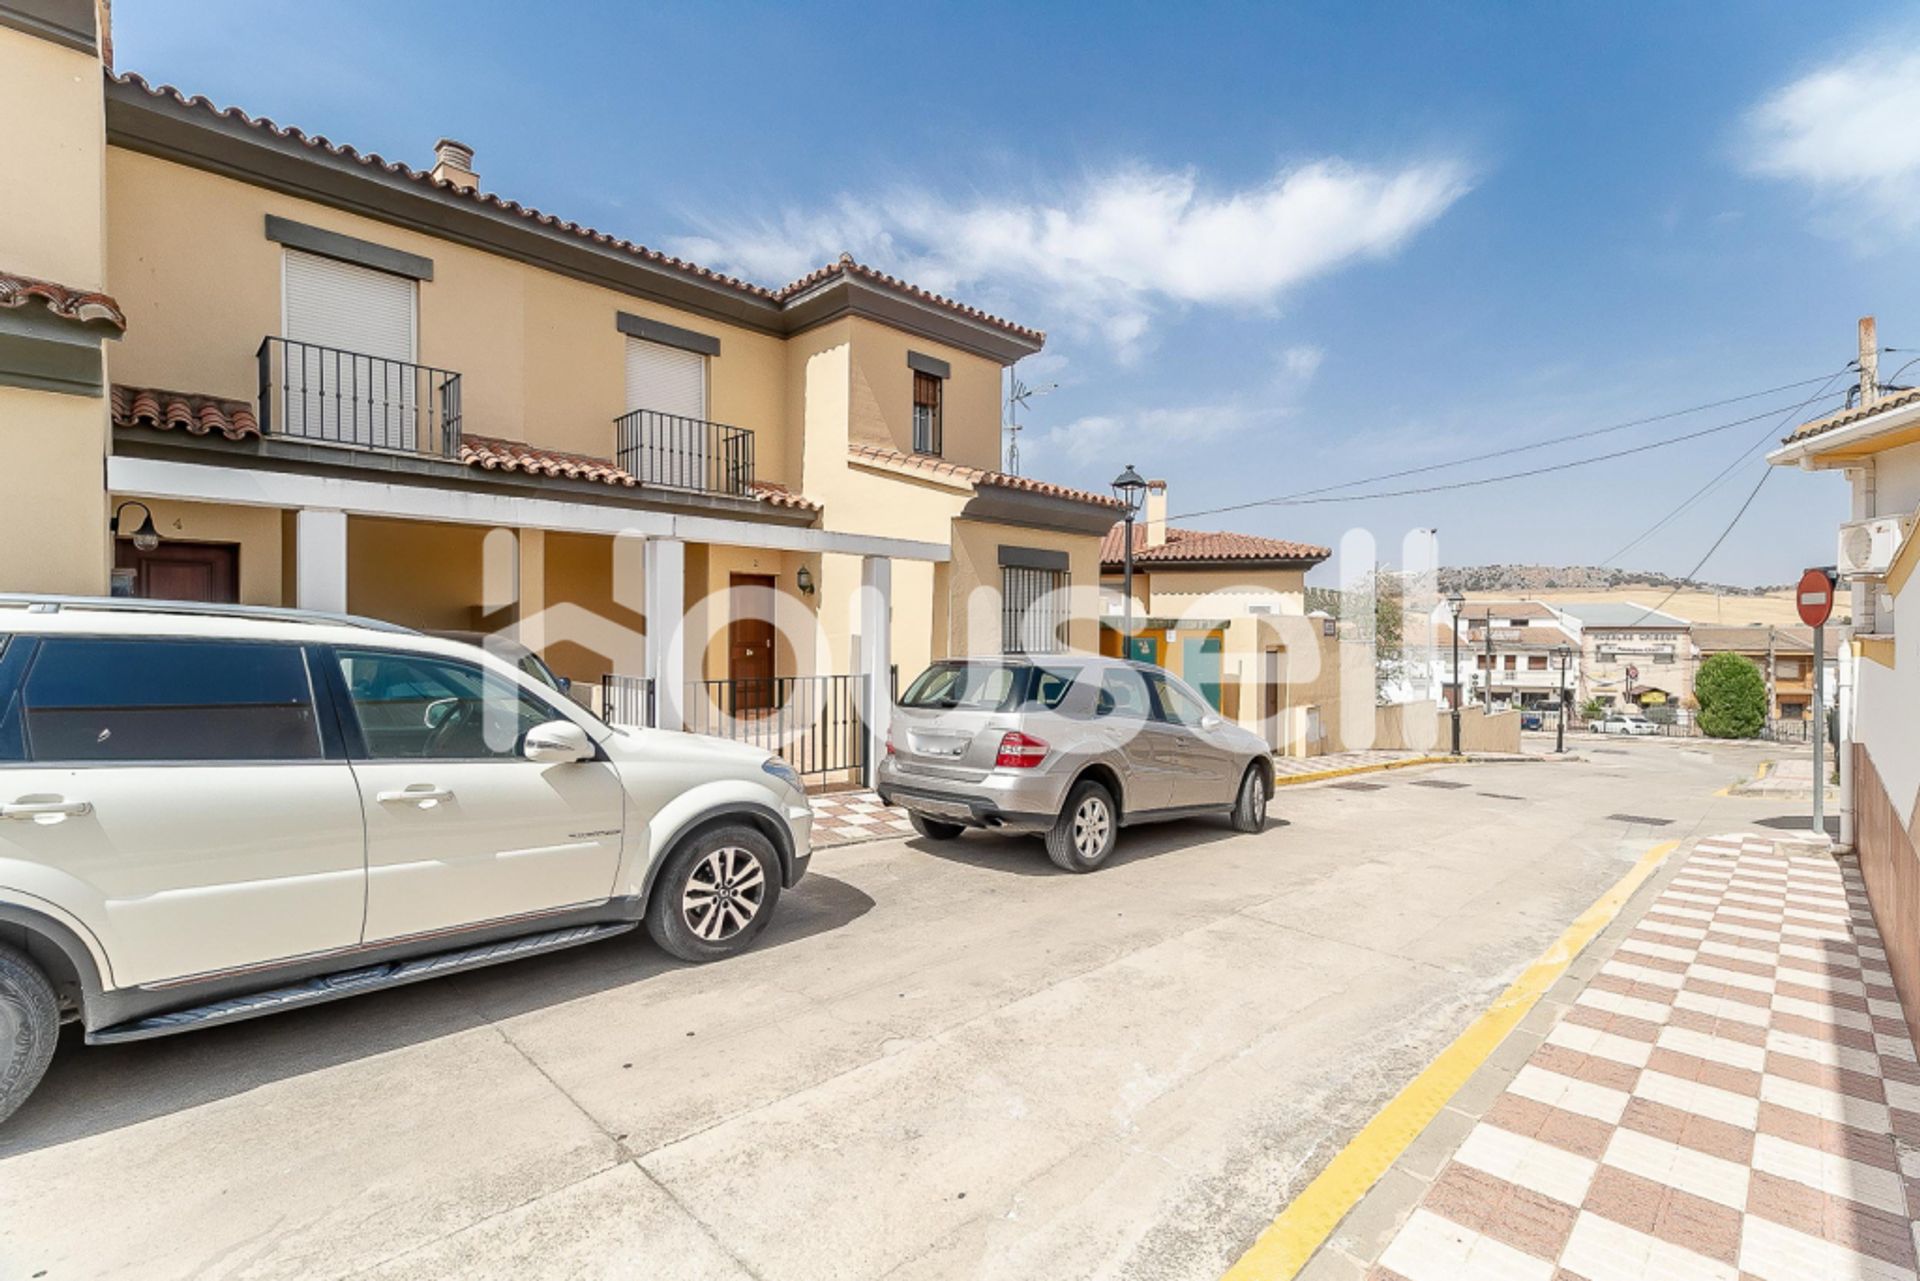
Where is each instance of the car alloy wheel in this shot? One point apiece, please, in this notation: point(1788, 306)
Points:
point(723, 895)
point(1091, 824)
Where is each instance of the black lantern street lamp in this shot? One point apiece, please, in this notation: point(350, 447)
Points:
point(1564, 653)
point(1128, 486)
point(1456, 602)
point(146, 537)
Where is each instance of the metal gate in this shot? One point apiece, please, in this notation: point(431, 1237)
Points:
point(814, 723)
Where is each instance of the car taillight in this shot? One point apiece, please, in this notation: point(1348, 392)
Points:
point(889, 740)
point(1020, 751)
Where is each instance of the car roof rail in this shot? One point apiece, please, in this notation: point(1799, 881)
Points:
point(41, 603)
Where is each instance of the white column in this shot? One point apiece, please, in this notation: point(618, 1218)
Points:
point(875, 659)
point(663, 584)
point(320, 560)
point(530, 588)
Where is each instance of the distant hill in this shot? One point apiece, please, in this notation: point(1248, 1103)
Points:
point(1524, 580)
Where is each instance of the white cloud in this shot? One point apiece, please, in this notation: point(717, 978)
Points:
point(1112, 249)
point(1157, 432)
point(1298, 365)
point(1847, 133)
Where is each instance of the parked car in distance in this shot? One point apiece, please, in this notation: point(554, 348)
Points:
point(509, 650)
point(1621, 723)
point(1072, 748)
point(209, 813)
point(1532, 720)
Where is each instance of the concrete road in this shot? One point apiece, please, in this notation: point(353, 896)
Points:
point(943, 1060)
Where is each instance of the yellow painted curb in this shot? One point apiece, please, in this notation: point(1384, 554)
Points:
point(1290, 1240)
point(1288, 780)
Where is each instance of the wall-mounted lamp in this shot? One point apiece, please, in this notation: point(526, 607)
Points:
point(803, 579)
point(146, 537)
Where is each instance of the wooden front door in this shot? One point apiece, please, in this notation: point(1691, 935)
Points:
point(207, 572)
point(750, 641)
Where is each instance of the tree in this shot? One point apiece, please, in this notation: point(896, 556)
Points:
point(1386, 628)
point(1733, 697)
point(1593, 710)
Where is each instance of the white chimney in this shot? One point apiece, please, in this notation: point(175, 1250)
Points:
point(1156, 513)
point(1869, 361)
point(453, 163)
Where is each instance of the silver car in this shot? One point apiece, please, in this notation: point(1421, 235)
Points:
point(1072, 747)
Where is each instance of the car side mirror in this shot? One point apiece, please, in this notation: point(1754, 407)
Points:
point(1209, 721)
point(557, 743)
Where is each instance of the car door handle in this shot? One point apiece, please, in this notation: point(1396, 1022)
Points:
point(416, 793)
point(45, 809)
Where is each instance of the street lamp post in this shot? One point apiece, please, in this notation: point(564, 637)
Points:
point(1563, 653)
point(1127, 487)
point(1456, 602)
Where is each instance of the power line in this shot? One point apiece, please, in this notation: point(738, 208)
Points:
point(1305, 498)
point(1516, 449)
point(1791, 415)
point(1697, 565)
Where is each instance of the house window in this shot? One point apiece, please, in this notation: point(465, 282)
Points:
point(664, 434)
point(926, 413)
point(1033, 609)
point(349, 372)
point(1536, 662)
point(1787, 669)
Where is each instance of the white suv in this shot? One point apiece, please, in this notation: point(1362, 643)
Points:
point(209, 813)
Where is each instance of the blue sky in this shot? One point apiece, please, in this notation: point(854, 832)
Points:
point(1275, 248)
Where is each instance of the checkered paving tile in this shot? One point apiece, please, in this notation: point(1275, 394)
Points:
point(1734, 1095)
point(842, 818)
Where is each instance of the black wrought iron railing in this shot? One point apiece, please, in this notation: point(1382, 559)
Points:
point(685, 453)
point(814, 723)
point(311, 392)
point(626, 700)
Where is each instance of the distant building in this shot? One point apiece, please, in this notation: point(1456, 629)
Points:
point(1784, 656)
point(1508, 653)
point(1631, 653)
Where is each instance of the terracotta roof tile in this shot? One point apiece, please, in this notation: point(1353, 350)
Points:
point(493, 454)
point(190, 412)
point(1194, 545)
point(846, 265)
point(1897, 399)
point(976, 476)
point(81, 306)
point(374, 161)
point(234, 420)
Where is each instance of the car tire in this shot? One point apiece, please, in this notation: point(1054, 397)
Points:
point(1087, 829)
point(933, 829)
point(709, 880)
point(29, 1027)
point(1249, 813)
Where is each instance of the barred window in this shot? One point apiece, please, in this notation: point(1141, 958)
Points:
point(1033, 610)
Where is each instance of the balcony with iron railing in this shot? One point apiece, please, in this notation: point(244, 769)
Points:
point(678, 452)
point(324, 394)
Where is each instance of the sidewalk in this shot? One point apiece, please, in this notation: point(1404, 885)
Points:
point(1732, 1095)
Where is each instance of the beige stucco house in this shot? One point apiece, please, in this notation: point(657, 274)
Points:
point(1875, 444)
point(1227, 612)
point(340, 382)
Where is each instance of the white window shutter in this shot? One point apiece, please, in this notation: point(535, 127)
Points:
point(359, 390)
point(666, 379)
point(670, 442)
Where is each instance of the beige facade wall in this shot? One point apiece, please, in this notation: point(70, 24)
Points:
point(538, 353)
point(53, 509)
point(254, 532)
point(881, 395)
point(52, 151)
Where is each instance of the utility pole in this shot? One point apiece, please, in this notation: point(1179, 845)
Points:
point(1455, 602)
point(1487, 623)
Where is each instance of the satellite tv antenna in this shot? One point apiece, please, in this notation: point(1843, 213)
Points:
point(1018, 397)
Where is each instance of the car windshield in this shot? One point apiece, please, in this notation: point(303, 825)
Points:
point(988, 686)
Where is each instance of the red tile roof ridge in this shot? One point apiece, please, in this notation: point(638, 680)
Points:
point(976, 475)
point(1205, 545)
point(1898, 398)
point(82, 306)
point(373, 160)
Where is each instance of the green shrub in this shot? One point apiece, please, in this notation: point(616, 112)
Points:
point(1593, 709)
point(1733, 697)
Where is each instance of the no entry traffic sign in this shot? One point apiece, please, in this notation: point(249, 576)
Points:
point(1814, 596)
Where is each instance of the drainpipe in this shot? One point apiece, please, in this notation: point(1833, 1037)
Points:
point(1845, 748)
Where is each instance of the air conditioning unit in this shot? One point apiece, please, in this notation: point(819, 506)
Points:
point(1867, 547)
